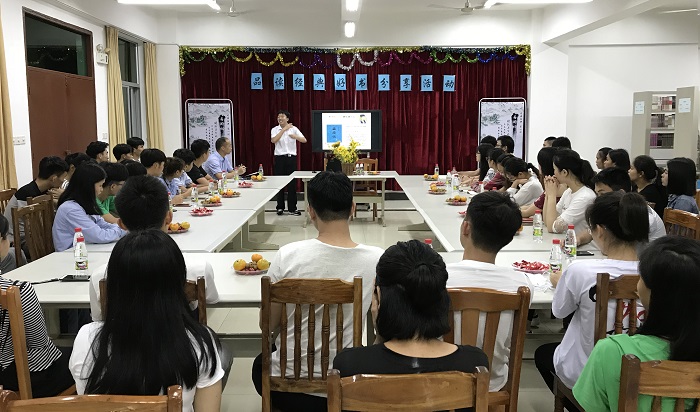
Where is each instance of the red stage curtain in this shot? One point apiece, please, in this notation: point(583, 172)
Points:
point(420, 128)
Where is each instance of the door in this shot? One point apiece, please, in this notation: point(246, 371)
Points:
point(47, 114)
point(81, 116)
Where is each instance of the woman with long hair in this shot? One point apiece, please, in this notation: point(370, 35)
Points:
point(618, 222)
point(148, 340)
point(491, 160)
point(410, 309)
point(77, 208)
point(577, 175)
point(600, 157)
point(679, 180)
point(617, 158)
point(525, 187)
point(646, 176)
point(544, 160)
point(669, 268)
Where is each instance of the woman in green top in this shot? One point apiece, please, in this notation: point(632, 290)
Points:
point(669, 268)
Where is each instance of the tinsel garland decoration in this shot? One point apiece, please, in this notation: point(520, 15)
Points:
point(480, 54)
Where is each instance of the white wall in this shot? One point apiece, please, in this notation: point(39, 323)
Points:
point(167, 57)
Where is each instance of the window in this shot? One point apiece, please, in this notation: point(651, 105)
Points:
point(131, 86)
point(55, 47)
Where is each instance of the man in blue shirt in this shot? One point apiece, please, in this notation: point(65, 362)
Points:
point(217, 165)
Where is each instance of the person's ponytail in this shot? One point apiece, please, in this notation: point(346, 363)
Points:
point(586, 174)
point(633, 218)
point(534, 170)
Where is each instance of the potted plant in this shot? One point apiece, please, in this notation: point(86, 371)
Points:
point(346, 155)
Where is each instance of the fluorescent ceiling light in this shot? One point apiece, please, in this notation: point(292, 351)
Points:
point(490, 3)
point(210, 3)
point(352, 5)
point(349, 29)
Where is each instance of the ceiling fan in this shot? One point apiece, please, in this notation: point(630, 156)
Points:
point(232, 12)
point(468, 8)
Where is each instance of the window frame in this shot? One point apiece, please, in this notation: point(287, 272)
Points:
point(129, 87)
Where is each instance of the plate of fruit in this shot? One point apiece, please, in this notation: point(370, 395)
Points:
point(373, 172)
point(258, 178)
point(230, 193)
point(531, 267)
point(212, 201)
point(244, 184)
point(435, 190)
point(201, 211)
point(176, 227)
point(257, 265)
point(440, 183)
point(430, 178)
point(456, 200)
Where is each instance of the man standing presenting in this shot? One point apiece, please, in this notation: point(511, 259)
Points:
point(285, 137)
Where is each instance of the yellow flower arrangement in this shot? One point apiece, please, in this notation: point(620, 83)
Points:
point(346, 154)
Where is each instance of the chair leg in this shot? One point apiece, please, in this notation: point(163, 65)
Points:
point(374, 212)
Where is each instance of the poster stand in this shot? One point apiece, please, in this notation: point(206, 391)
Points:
point(210, 119)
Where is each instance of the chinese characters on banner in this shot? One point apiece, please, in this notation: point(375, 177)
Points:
point(319, 82)
point(256, 81)
point(426, 83)
point(448, 83)
point(383, 82)
point(361, 82)
point(405, 81)
point(340, 82)
point(298, 81)
point(278, 81)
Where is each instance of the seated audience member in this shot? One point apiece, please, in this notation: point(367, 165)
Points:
point(505, 143)
point(544, 159)
point(618, 222)
point(613, 179)
point(548, 141)
point(137, 144)
point(48, 365)
point(489, 139)
point(410, 309)
point(327, 256)
point(173, 169)
point(493, 168)
point(187, 156)
point(77, 207)
point(668, 269)
point(490, 223)
point(679, 180)
point(617, 158)
point(526, 186)
point(646, 176)
point(52, 172)
point(600, 157)
point(197, 174)
point(154, 162)
point(116, 176)
point(482, 164)
point(217, 165)
point(122, 152)
point(8, 260)
point(148, 339)
point(576, 174)
point(499, 181)
point(135, 168)
point(74, 160)
point(98, 151)
point(562, 142)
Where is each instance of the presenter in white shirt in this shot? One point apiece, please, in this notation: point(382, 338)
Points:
point(285, 137)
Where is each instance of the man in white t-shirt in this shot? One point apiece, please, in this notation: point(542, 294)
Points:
point(285, 137)
point(333, 254)
point(490, 223)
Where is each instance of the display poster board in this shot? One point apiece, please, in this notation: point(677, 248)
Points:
point(498, 117)
point(210, 119)
point(342, 126)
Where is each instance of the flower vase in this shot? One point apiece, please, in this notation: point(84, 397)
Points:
point(348, 168)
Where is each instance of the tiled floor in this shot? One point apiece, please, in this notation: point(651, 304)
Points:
point(240, 395)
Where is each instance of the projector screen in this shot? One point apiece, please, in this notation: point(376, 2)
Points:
point(331, 126)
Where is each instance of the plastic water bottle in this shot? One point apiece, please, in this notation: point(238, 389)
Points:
point(78, 233)
point(437, 170)
point(362, 169)
point(429, 242)
point(224, 180)
point(211, 186)
point(455, 183)
point(195, 196)
point(481, 187)
point(81, 256)
point(260, 170)
point(235, 175)
point(449, 177)
point(454, 170)
point(555, 257)
point(537, 227)
point(570, 243)
point(170, 201)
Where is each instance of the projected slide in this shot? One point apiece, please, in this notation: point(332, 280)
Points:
point(342, 127)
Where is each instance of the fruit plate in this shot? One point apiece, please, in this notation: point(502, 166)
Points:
point(250, 272)
point(527, 267)
point(453, 203)
point(373, 173)
point(210, 212)
point(174, 232)
point(236, 194)
point(440, 183)
point(437, 192)
point(429, 179)
point(212, 204)
point(244, 184)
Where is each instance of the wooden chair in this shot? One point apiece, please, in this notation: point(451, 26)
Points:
point(682, 223)
point(172, 402)
point(620, 289)
point(310, 293)
point(194, 291)
point(5, 196)
point(471, 302)
point(367, 191)
point(669, 379)
point(697, 196)
point(37, 231)
point(10, 301)
point(415, 392)
point(50, 204)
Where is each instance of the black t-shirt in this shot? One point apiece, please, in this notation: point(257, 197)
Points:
point(656, 195)
point(378, 359)
point(196, 173)
point(29, 190)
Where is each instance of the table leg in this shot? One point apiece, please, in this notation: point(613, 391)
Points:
point(383, 201)
point(247, 244)
point(306, 199)
point(261, 226)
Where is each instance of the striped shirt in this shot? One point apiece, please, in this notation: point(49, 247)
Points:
point(41, 351)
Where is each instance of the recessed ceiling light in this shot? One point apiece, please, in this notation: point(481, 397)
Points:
point(490, 3)
point(349, 29)
point(210, 3)
point(352, 5)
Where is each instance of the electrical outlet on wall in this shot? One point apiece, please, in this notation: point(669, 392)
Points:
point(19, 140)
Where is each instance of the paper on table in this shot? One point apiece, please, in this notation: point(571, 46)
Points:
point(540, 281)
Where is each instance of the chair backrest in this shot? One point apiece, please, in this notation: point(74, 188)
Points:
point(50, 205)
point(471, 302)
point(415, 392)
point(370, 165)
point(36, 221)
point(194, 291)
point(668, 379)
point(620, 289)
point(11, 302)
point(314, 293)
point(682, 223)
point(172, 402)
point(5, 196)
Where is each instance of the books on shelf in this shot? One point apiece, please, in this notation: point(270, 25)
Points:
point(663, 103)
point(663, 121)
point(661, 140)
